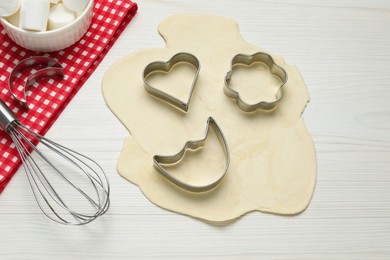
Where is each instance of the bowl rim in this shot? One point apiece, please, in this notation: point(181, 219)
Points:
point(51, 32)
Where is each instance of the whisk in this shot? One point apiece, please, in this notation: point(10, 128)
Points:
point(69, 187)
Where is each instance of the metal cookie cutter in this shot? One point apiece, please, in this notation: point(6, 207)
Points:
point(47, 67)
point(249, 60)
point(160, 160)
point(166, 67)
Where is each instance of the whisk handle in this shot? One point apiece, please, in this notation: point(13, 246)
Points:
point(6, 116)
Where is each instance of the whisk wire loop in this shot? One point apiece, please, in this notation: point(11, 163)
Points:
point(49, 181)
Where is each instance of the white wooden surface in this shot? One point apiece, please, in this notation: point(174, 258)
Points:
point(343, 51)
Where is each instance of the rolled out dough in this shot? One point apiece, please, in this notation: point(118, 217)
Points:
point(273, 162)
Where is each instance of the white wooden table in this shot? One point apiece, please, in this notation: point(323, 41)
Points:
point(343, 51)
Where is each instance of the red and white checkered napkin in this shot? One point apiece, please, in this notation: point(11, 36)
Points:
point(50, 97)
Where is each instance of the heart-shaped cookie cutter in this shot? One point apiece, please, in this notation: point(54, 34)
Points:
point(47, 67)
point(166, 67)
point(160, 160)
point(248, 60)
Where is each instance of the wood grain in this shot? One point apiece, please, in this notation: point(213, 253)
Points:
point(343, 51)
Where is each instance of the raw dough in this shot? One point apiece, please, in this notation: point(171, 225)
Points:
point(273, 163)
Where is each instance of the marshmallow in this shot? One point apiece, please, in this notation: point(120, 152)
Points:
point(60, 16)
point(9, 7)
point(75, 5)
point(14, 19)
point(34, 15)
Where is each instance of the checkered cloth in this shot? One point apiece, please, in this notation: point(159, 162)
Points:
point(50, 97)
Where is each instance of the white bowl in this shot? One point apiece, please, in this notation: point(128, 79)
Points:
point(53, 40)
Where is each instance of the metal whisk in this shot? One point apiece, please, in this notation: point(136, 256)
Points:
point(69, 187)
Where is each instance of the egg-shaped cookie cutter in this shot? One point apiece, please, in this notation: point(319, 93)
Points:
point(276, 70)
point(166, 66)
point(160, 160)
point(46, 67)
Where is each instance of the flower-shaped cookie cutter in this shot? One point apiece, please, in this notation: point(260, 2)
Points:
point(248, 60)
point(166, 67)
point(160, 160)
point(46, 67)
